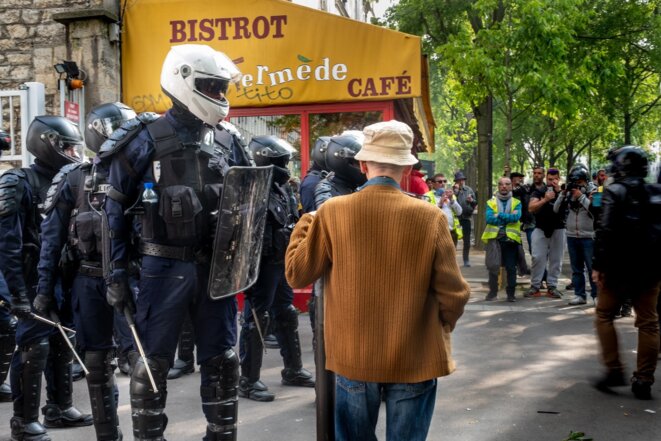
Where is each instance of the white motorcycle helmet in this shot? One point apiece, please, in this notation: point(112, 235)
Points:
point(197, 77)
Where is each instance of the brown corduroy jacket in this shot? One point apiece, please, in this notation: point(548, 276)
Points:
point(392, 288)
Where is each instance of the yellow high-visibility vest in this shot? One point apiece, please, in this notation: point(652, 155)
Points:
point(512, 230)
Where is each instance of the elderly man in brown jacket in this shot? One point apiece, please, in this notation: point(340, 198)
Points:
point(392, 290)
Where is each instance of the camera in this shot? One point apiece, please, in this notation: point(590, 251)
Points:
point(569, 186)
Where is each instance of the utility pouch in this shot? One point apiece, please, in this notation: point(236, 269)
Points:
point(180, 209)
point(88, 233)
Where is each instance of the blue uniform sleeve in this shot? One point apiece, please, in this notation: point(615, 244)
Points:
point(11, 243)
point(138, 154)
point(54, 230)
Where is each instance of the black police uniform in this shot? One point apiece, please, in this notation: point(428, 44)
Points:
point(40, 347)
point(176, 251)
point(74, 222)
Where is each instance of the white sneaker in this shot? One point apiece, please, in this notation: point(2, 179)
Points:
point(577, 300)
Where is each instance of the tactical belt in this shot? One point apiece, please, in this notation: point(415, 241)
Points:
point(186, 254)
point(90, 269)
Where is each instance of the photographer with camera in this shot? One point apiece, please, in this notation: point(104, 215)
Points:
point(575, 199)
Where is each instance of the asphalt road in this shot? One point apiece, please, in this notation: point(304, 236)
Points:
point(523, 374)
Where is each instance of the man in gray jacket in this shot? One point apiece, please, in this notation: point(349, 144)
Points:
point(579, 229)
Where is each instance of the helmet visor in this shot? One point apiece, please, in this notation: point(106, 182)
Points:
point(105, 126)
point(213, 88)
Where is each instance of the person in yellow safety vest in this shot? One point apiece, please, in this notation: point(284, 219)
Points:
point(446, 201)
point(504, 227)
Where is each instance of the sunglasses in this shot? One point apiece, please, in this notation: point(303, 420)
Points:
point(441, 181)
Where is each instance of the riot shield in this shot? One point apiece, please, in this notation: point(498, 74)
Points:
point(325, 380)
point(237, 246)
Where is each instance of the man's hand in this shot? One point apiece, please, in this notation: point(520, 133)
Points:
point(576, 193)
point(43, 304)
point(20, 305)
point(598, 279)
point(549, 195)
point(119, 294)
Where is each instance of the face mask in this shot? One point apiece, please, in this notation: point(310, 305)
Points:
point(281, 175)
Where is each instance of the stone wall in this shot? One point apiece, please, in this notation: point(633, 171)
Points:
point(31, 42)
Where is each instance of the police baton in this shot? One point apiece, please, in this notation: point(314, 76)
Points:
point(257, 325)
point(56, 321)
point(134, 331)
point(39, 318)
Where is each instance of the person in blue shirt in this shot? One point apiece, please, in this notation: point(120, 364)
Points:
point(503, 226)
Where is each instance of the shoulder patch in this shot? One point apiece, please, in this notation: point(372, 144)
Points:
point(55, 188)
point(9, 191)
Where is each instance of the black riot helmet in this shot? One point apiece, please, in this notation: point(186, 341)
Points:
point(340, 159)
point(103, 120)
point(578, 172)
point(628, 161)
point(271, 150)
point(48, 138)
point(319, 153)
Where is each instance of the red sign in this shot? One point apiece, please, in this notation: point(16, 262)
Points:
point(72, 111)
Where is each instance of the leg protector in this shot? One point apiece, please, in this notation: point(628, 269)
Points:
point(58, 373)
point(147, 406)
point(101, 386)
point(286, 330)
point(220, 377)
point(287, 333)
point(187, 341)
point(253, 347)
point(28, 366)
point(59, 410)
point(7, 346)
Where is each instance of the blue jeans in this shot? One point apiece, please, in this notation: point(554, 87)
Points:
point(580, 257)
point(409, 408)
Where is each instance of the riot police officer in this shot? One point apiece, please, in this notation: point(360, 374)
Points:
point(346, 176)
point(317, 172)
point(271, 293)
point(74, 219)
point(53, 140)
point(184, 162)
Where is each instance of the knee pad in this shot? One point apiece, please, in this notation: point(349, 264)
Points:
point(34, 356)
point(7, 346)
point(100, 384)
point(98, 364)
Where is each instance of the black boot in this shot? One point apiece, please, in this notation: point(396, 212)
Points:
point(148, 406)
point(252, 352)
point(59, 410)
point(25, 425)
point(101, 387)
point(287, 332)
point(180, 368)
point(220, 403)
point(641, 389)
point(7, 346)
point(609, 380)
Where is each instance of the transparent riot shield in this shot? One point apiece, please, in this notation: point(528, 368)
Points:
point(237, 245)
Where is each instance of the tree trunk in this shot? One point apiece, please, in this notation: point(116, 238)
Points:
point(484, 118)
point(627, 128)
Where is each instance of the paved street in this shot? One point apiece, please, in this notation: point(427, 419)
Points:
point(523, 373)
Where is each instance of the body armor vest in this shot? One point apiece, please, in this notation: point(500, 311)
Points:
point(89, 185)
point(188, 189)
point(280, 222)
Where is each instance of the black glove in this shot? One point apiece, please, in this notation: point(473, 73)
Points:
point(20, 305)
point(119, 294)
point(43, 304)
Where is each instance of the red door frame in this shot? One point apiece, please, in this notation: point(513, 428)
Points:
point(387, 108)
